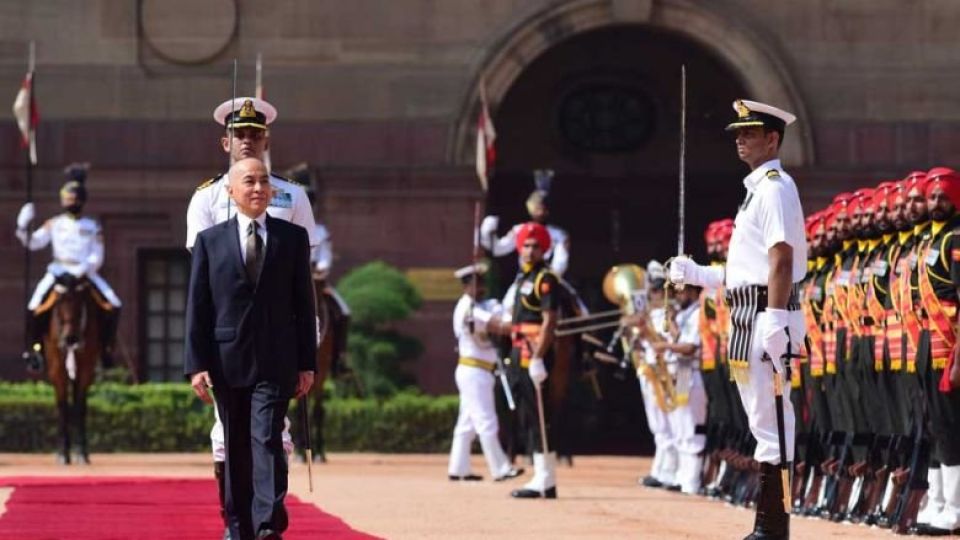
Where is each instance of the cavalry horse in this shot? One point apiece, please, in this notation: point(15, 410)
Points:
point(72, 347)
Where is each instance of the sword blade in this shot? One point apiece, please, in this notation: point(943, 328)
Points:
point(683, 159)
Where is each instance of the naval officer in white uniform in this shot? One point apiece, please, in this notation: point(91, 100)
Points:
point(767, 258)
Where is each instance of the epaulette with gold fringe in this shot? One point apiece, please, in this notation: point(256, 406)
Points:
point(773, 174)
point(207, 183)
point(285, 179)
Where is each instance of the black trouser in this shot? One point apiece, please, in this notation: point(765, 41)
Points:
point(873, 399)
point(256, 466)
point(525, 398)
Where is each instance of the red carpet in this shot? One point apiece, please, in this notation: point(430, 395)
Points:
point(107, 508)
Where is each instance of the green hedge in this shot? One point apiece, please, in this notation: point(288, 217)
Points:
point(168, 418)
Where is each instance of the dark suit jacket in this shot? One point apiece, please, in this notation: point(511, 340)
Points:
point(244, 333)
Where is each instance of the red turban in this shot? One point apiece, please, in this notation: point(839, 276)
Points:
point(538, 232)
point(881, 195)
point(863, 198)
point(830, 215)
point(946, 179)
point(841, 202)
point(898, 190)
point(915, 180)
point(710, 234)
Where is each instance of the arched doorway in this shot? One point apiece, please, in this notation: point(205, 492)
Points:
point(601, 108)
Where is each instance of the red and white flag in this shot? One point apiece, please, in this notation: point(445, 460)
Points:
point(486, 136)
point(25, 111)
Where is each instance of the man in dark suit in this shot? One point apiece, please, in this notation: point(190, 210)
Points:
point(251, 336)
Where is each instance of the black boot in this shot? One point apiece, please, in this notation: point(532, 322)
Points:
point(108, 336)
point(219, 474)
point(33, 357)
point(772, 522)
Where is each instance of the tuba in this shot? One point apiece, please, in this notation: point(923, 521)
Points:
point(657, 374)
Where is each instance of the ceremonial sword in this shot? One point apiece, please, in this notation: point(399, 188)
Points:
point(682, 208)
point(683, 158)
point(226, 125)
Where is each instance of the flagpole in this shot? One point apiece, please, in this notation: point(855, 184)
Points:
point(258, 93)
point(28, 154)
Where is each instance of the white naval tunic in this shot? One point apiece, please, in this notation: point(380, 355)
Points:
point(684, 419)
point(77, 249)
point(664, 466)
point(210, 204)
point(557, 257)
point(771, 213)
point(478, 414)
point(322, 259)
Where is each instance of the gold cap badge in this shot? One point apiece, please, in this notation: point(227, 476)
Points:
point(742, 110)
point(247, 110)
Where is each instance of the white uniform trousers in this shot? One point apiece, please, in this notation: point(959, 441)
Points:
point(47, 281)
point(477, 417)
point(219, 446)
point(757, 396)
point(683, 422)
point(664, 466)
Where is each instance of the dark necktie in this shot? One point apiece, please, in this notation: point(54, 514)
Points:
point(254, 252)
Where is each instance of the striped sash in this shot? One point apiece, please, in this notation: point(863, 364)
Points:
point(745, 303)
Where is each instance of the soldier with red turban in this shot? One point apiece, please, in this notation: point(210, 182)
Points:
point(534, 321)
point(937, 274)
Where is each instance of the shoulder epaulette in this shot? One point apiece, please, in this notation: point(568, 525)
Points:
point(285, 179)
point(773, 174)
point(207, 183)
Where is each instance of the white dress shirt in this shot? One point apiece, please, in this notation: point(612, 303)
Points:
point(771, 214)
point(243, 222)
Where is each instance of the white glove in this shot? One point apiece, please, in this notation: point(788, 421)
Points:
point(537, 371)
point(26, 215)
point(488, 226)
point(684, 271)
point(772, 330)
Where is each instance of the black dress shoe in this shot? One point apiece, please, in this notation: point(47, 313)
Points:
point(673, 487)
point(651, 482)
point(549, 493)
point(511, 474)
point(467, 478)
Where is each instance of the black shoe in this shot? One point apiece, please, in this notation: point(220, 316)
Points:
point(511, 474)
point(549, 493)
point(673, 487)
point(650, 482)
point(269, 534)
point(925, 529)
point(466, 478)
point(771, 522)
point(33, 361)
